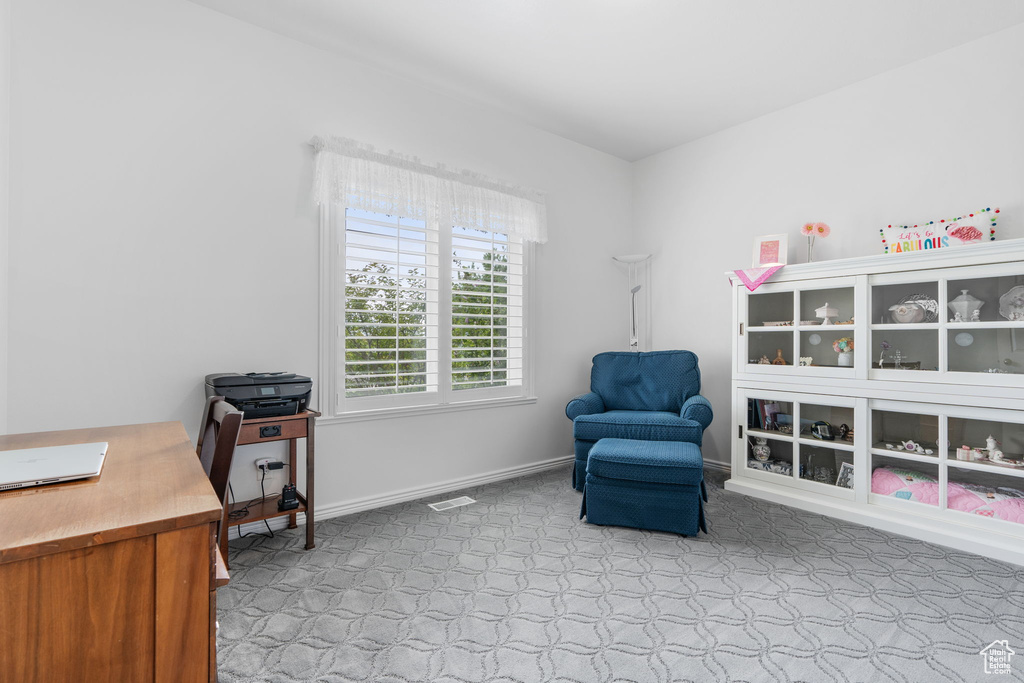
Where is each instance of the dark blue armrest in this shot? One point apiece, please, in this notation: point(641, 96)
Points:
point(698, 409)
point(587, 404)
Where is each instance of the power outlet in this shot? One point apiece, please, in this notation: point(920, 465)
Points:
point(266, 467)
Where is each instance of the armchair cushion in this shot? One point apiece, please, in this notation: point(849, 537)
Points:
point(643, 425)
point(587, 404)
point(653, 380)
point(698, 409)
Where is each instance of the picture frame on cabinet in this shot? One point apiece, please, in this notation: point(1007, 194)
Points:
point(771, 250)
point(845, 478)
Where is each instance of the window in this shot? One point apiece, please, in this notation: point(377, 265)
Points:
point(487, 310)
point(424, 282)
point(422, 315)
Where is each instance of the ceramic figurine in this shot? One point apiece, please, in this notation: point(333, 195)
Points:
point(779, 360)
point(991, 445)
point(761, 450)
point(976, 316)
point(844, 429)
point(764, 361)
point(826, 313)
point(965, 305)
point(977, 454)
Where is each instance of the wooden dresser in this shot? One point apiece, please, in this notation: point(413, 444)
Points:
point(111, 578)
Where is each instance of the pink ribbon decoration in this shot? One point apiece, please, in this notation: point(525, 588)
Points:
point(755, 277)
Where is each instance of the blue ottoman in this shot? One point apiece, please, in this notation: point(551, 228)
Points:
point(653, 485)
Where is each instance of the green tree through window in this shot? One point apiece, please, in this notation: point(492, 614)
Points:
point(393, 315)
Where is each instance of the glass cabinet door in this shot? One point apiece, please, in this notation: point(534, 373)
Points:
point(986, 468)
point(964, 463)
point(804, 443)
point(826, 444)
point(769, 435)
point(827, 327)
point(985, 329)
point(905, 456)
point(809, 324)
point(770, 328)
point(964, 320)
point(904, 326)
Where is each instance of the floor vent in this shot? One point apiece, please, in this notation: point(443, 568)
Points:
point(449, 504)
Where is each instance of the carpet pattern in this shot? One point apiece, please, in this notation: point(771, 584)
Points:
point(516, 589)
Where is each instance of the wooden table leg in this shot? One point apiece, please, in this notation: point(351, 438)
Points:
point(292, 477)
point(310, 431)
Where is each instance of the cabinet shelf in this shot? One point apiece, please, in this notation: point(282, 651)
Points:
point(989, 325)
point(984, 466)
point(777, 436)
point(905, 326)
point(905, 455)
point(820, 443)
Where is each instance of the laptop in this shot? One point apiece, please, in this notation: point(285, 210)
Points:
point(50, 464)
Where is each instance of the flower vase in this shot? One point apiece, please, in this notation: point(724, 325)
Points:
point(810, 249)
point(846, 359)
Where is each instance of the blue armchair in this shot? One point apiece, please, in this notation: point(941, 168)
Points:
point(647, 396)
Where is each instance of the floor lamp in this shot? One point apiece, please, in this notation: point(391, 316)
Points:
point(633, 261)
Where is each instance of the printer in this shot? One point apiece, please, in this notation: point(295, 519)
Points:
point(262, 394)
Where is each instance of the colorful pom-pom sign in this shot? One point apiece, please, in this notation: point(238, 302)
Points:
point(973, 227)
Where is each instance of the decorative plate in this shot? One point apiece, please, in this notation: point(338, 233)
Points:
point(810, 322)
point(964, 339)
point(930, 306)
point(1011, 304)
point(1007, 462)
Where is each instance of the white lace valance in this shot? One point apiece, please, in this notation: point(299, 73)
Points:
point(358, 176)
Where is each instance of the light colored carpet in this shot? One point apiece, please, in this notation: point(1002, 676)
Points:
point(517, 589)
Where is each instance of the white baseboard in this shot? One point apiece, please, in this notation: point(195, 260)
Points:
point(404, 495)
point(938, 531)
point(720, 466)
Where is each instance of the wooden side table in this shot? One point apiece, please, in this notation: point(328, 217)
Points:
point(290, 428)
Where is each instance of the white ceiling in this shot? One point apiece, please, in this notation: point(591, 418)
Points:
point(632, 77)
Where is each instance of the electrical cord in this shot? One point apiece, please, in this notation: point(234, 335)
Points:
point(243, 512)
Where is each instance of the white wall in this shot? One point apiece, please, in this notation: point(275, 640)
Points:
point(5, 142)
point(931, 140)
point(5, 138)
point(161, 229)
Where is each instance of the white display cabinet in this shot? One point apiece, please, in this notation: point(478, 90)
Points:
point(920, 430)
